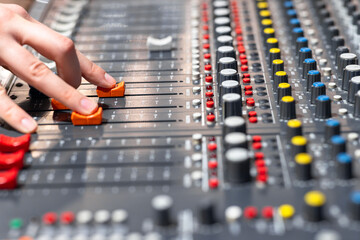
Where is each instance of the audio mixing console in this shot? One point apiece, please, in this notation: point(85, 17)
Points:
point(240, 120)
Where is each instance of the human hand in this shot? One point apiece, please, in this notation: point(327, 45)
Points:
point(18, 28)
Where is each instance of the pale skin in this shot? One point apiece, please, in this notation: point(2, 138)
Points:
point(18, 28)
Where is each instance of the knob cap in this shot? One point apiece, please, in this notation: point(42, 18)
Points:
point(237, 165)
point(336, 42)
point(337, 145)
point(227, 62)
point(355, 205)
point(221, 12)
point(229, 86)
point(354, 87)
point(220, 4)
point(284, 89)
point(312, 76)
point(277, 65)
point(291, 13)
point(274, 53)
point(271, 43)
point(297, 32)
point(287, 108)
point(268, 33)
point(207, 214)
point(333, 31)
point(266, 23)
point(294, 23)
point(304, 53)
point(323, 107)
point(344, 166)
point(234, 124)
point(344, 60)
point(222, 30)
point(300, 43)
point(340, 50)
point(231, 105)
point(162, 205)
point(222, 21)
point(298, 145)
point(308, 64)
point(317, 89)
point(293, 128)
point(332, 128)
point(357, 105)
point(314, 206)
point(303, 166)
point(224, 40)
point(225, 51)
point(280, 77)
point(350, 71)
point(227, 74)
point(235, 140)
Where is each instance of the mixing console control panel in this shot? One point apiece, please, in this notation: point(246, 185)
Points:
point(231, 119)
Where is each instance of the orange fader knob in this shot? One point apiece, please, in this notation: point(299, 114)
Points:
point(56, 105)
point(92, 119)
point(117, 91)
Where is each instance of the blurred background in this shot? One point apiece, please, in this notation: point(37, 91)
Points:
point(25, 3)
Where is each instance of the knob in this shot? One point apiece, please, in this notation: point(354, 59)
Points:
point(237, 165)
point(308, 64)
point(277, 65)
point(333, 31)
point(264, 14)
point(229, 86)
point(337, 145)
point(351, 8)
point(298, 144)
point(357, 105)
point(293, 128)
point(304, 53)
point(336, 42)
point(332, 128)
point(350, 71)
point(328, 22)
point(294, 23)
point(222, 21)
point(303, 166)
point(317, 89)
point(340, 50)
point(312, 76)
point(220, 4)
point(284, 89)
point(268, 33)
point(291, 13)
point(344, 166)
point(227, 74)
point(221, 12)
point(280, 77)
point(324, 14)
point(355, 205)
point(231, 105)
point(323, 107)
point(226, 62)
point(222, 30)
point(271, 43)
point(224, 40)
point(344, 60)
point(297, 32)
point(206, 211)
point(354, 87)
point(162, 206)
point(266, 23)
point(300, 43)
point(225, 51)
point(314, 206)
point(234, 124)
point(274, 53)
point(235, 140)
point(287, 108)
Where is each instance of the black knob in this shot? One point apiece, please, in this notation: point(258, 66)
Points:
point(231, 105)
point(314, 206)
point(300, 43)
point(344, 60)
point(336, 42)
point(351, 8)
point(337, 145)
point(222, 21)
point(227, 62)
point(350, 71)
point(304, 53)
point(225, 51)
point(277, 65)
point(235, 140)
point(297, 32)
point(162, 206)
point(354, 87)
point(271, 43)
point(328, 22)
point(298, 144)
point(355, 205)
point(229, 86)
point(332, 32)
point(332, 128)
point(234, 124)
point(344, 166)
point(283, 89)
point(224, 40)
point(312, 76)
point(294, 23)
point(303, 167)
point(323, 107)
point(355, 18)
point(274, 53)
point(324, 14)
point(340, 50)
point(293, 128)
point(207, 215)
point(237, 165)
point(227, 74)
point(291, 13)
point(357, 105)
point(280, 77)
point(268, 33)
point(287, 108)
point(317, 89)
point(223, 30)
point(308, 64)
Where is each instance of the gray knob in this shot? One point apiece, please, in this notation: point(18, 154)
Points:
point(354, 87)
point(229, 86)
point(234, 124)
point(235, 140)
point(237, 165)
point(350, 71)
point(231, 105)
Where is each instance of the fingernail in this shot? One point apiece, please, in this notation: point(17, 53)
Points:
point(88, 105)
point(28, 124)
point(110, 79)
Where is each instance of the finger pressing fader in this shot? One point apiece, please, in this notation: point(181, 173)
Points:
point(117, 91)
point(92, 119)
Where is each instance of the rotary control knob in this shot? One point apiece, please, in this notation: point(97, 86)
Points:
point(332, 128)
point(277, 65)
point(350, 71)
point(224, 40)
point(229, 86)
point(304, 53)
point(280, 77)
point(323, 107)
point(222, 21)
point(308, 64)
point(274, 53)
point(268, 33)
point(226, 62)
point(354, 87)
point(228, 74)
point(337, 145)
point(355, 205)
point(340, 50)
point(225, 51)
point(344, 60)
point(271, 43)
point(317, 89)
point(293, 128)
point(284, 89)
point(235, 140)
point(298, 145)
point(312, 76)
point(297, 32)
point(234, 124)
point(344, 166)
point(294, 23)
point(357, 105)
point(207, 215)
point(162, 205)
point(231, 105)
point(303, 166)
point(221, 12)
point(336, 42)
point(287, 108)
point(237, 165)
point(314, 206)
point(301, 42)
point(222, 30)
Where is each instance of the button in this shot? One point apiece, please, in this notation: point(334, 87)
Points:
point(222, 21)
point(84, 217)
point(12, 160)
point(206, 212)
point(286, 211)
point(67, 217)
point(16, 223)
point(102, 216)
point(157, 44)
point(317, 89)
point(323, 107)
point(311, 77)
point(92, 119)
point(233, 213)
point(350, 71)
point(13, 144)
point(303, 166)
point(298, 145)
point(344, 166)
point(314, 204)
point(231, 105)
point(327, 234)
point(287, 108)
point(49, 218)
point(340, 50)
point(267, 212)
point(162, 205)
point(250, 212)
point(56, 105)
point(224, 40)
point(336, 42)
point(354, 87)
point(117, 91)
point(283, 89)
point(332, 128)
point(222, 30)
point(237, 165)
point(8, 179)
point(196, 102)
